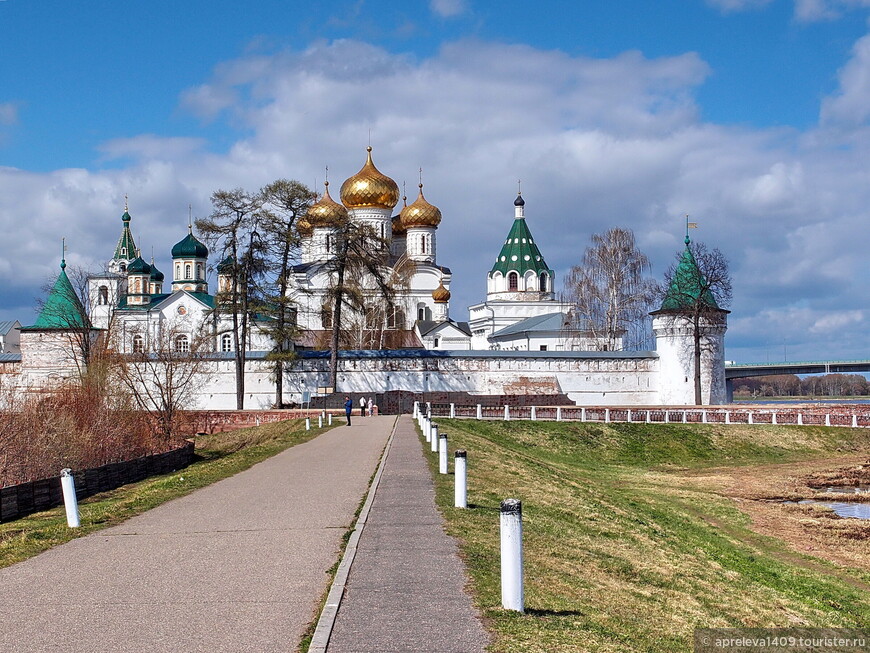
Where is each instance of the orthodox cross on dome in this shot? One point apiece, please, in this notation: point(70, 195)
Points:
point(62, 253)
point(126, 208)
point(189, 218)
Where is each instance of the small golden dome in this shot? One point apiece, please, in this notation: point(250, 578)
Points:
point(326, 212)
point(420, 213)
point(369, 188)
point(441, 295)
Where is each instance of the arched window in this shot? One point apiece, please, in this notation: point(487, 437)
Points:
point(137, 286)
point(226, 342)
point(383, 234)
point(328, 243)
point(138, 344)
point(326, 317)
point(422, 243)
point(178, 270)
point(182, 344)
point(543, 282)
point(104, 295)
point(199, 271)
point(187, 271)
point(513, 281)
point(123, 267)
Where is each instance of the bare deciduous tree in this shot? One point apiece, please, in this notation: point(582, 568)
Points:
point(165, 377)
point(611, 291)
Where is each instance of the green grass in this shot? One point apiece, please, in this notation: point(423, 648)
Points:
point(621, 552)
point(218, 456)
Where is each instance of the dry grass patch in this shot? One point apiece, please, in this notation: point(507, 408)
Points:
point(623, 549)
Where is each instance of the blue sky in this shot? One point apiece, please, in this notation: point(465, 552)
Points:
point(752, 115)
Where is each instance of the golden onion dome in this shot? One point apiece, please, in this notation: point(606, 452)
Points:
point(441, 295)
point(304, 227)
point(420, 213)
point(369, 188)
point(325, 212)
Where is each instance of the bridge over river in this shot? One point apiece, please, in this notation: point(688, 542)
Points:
point(745, 370)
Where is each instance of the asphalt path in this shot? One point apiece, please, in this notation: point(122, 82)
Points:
point(406, 587)
point(241, 565)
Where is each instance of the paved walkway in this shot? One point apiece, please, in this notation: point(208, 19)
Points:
point(405, 591)
point(237, 566)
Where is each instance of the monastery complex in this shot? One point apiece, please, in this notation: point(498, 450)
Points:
point(515, 341)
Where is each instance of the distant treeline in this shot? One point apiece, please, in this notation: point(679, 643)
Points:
point(790, 385)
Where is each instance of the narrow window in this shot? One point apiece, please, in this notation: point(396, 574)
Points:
point(543, 282)
point(513, 281)
point(328, 243)
point(182, 344)
point(423, 243)
point(187, 271)
point(138, 344)
point(226, 342)
point(178, 270)
point(199, 271)
point(436, 342)
point(104, 295)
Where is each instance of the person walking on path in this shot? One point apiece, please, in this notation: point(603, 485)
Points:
point(369, 405)
point(362, 406)
point(348, 408)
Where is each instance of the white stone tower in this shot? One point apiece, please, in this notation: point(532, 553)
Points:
point(688, 307)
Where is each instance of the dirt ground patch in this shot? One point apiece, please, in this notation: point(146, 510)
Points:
point(761, 491)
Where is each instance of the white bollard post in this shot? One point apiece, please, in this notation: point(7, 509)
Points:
point(727, 416)
point(434, 447)
point(828, 419)
point(427, 429)
point(512, 555)
point(647, 416)
point(854, 421)
point(429, 409)
point(684, 417)
point(773, 418)
point(749, 418)
point(558, 413)
point(442, 453)
point(307, 423)
point(534, 414)
point(582, 414)
point(416, 412)
point(479, 412)
point(606, 415)
point(628, 418)
point(460, 479)
point(320, 421)
point(507, 414)
point(800, 419)
point(329, 419)
point(68, 485)
point(452, 410)
point(703, 417)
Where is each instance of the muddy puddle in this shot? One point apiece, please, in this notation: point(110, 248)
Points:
point(841, 508)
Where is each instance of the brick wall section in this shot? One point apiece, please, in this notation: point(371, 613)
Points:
point(18, 501)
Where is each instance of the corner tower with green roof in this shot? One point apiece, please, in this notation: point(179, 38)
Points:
point(689, 329)
point(520, 271)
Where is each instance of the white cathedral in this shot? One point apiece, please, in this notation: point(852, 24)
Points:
point(517, 341)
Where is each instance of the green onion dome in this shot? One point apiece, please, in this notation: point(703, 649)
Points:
point(138, 266)
point(190, 247)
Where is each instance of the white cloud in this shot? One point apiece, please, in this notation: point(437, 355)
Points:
point(8, 113)
point(850, 105)
point(448, 8)
point(597, 143)
point(738, 5)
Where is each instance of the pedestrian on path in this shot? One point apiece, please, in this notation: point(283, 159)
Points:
point(362, 406)
point(369, 405)
point(348, 408)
